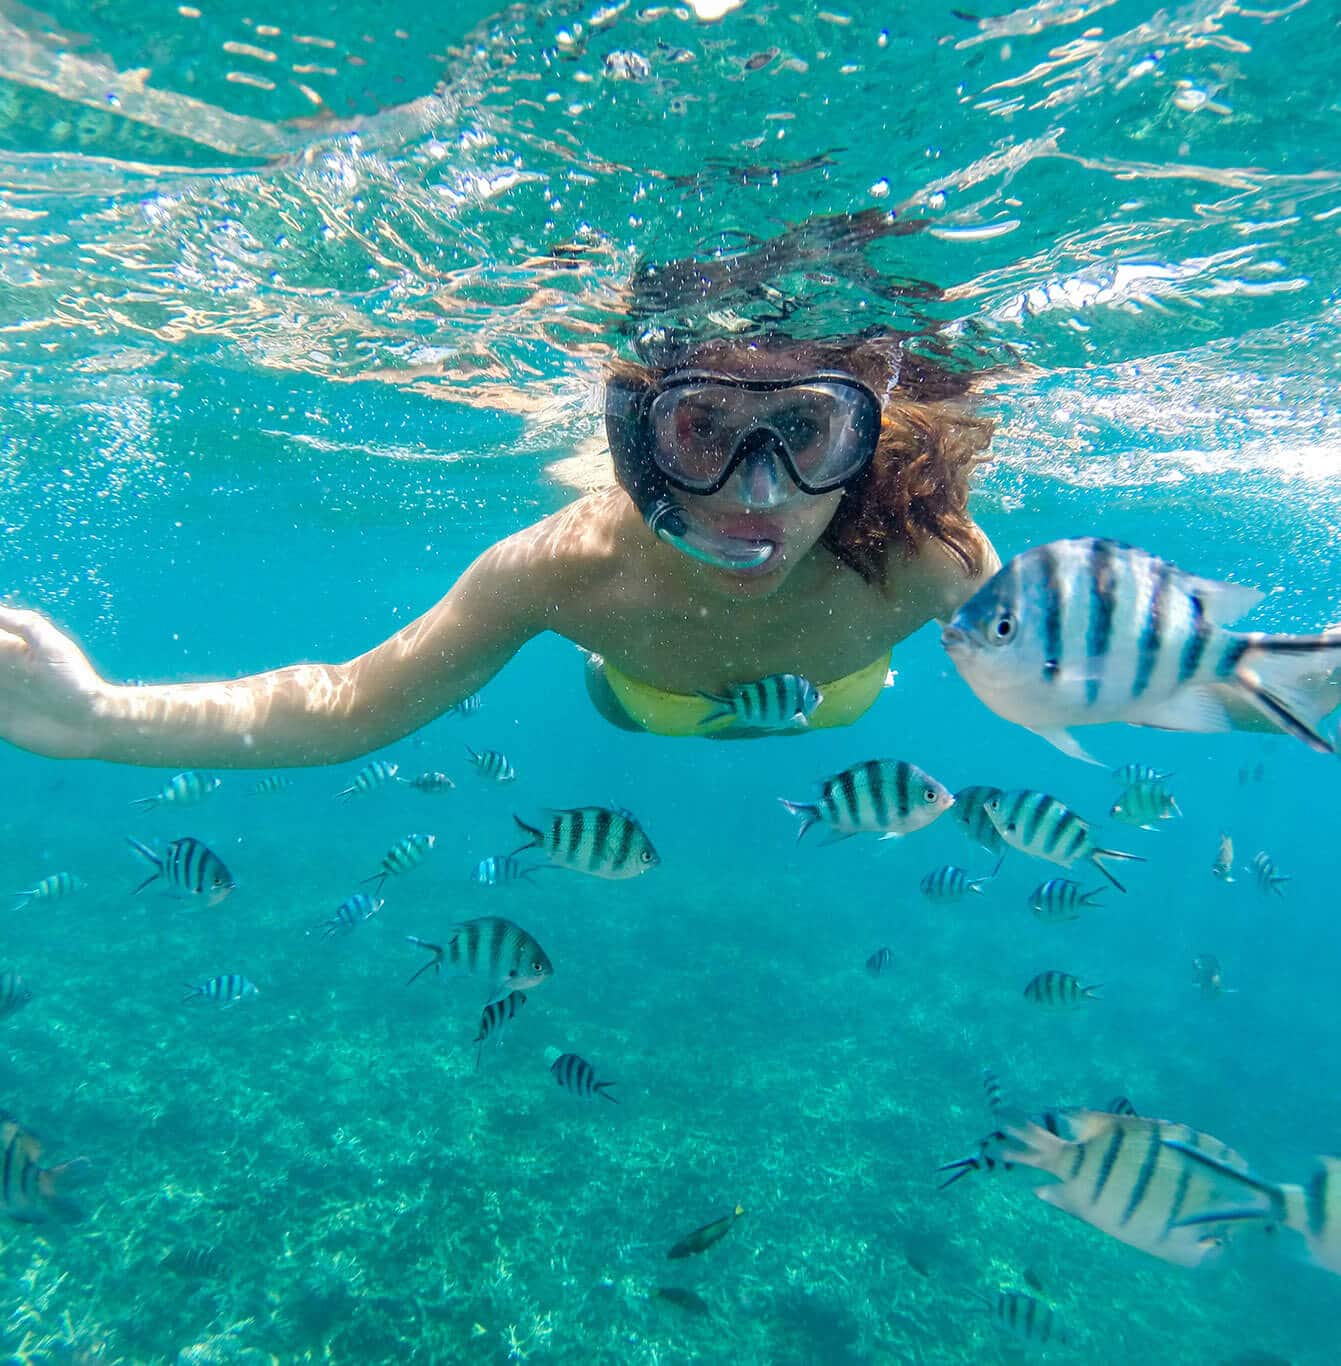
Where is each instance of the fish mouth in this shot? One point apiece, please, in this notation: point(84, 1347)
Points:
point(954, 637)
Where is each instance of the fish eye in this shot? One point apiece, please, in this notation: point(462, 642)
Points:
point(1004, 628)
point(646, 856)
point(931, 796)
point(537, 965)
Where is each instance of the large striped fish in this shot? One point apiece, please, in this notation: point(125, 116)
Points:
point(1083, 631)
point(1312, 1211)
point(28, 1192)
point(593, 840)
point(1038, 824)
point(491, 947)
point(885, 797)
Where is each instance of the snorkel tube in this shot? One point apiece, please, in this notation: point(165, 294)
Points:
point(652, 494)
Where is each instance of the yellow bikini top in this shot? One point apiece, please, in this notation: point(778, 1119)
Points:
point(674, 713)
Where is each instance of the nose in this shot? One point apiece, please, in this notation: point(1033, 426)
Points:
point(761, 480)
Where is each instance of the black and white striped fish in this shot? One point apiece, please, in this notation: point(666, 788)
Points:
point(190, 869)
point(404, 855)
point(593, 840)
point(492, 764)
point(1266, 875)
point(1144, 804)
point(186, 789)
point(776, 702)
point(1024, 1317)
point(1084, 631)
point(968, 811)
point(467, 706)
point(885, 797)
point(30, 1193)
point(1130, 774)
point(431, 784)
point(950, 883)
point(506, 955)
point(501, 870)
point(225, 990)
point(993, 1092)
point(54, 887)
point(351, 913)
point(579, 1076)
point(1038, 824)
point(1059, 989)
point(370, 777)
point(495, 1017)
point(880, 960)
point(1060, 899)
point(272, 785)
point(14, 995)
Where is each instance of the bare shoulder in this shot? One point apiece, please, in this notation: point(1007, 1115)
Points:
point(938, 579)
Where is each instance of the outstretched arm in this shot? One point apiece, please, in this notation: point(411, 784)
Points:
point(54, 702)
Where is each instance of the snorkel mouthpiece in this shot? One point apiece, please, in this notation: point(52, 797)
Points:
point(668, 521)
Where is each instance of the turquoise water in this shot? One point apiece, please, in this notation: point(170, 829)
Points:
point(284, 343)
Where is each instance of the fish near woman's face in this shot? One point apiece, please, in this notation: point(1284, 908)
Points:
point(996, 653)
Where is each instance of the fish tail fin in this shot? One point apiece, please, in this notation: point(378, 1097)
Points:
point(192, 992)
point(435, 962)
point(1098, 856)
point(145, 803)
point(1243, 1180)
point(1091, 898)
point(1278, 881)
point(806, 812)
point(151, 858)
point(1032, 1145)
point(1289, 679)
point(604, 1094)
point(378, 878)
point(1092, 993)
point(535, 837)
point(21, 900)
point(54, 1182)
point(722, 706)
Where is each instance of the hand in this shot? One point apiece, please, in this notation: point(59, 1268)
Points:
point(48, 689)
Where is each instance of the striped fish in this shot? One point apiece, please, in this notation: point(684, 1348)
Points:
point(993, 1091)
point(54, 887)
point(30, 1193)
point(969, 812)
point(491, 947)
point(888, 797)
point(776, 702)
point(1059, 989)
point(1312, 1211)
point(1117, 1173)
point(1024, 1317)
point(497, 1014)
point(351, 913)
point(492, 764)
point(1223, 867)
point(14, 995)
point(593, 840)
point(370, 777)
point(1130, 774)
point(1266, 876)
point(1037, 824)
point(1060, 899)
point(1209, 977)
point(579, 1076)
point(879, 961)
point(404, 855)
point(186, 789)
point(1084, 631)
point(226, 990)
point(432, 783)
point(1120, 1105)
point(949, 884)
point(501, 870)
point(190, 869)
point(467, 706)
point(1143, 804)
point(272, 785)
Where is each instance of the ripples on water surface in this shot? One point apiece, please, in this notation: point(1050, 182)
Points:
point(296, 309)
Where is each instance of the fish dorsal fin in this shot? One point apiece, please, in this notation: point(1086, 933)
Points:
point(1085, 1125)
point(1223, 602)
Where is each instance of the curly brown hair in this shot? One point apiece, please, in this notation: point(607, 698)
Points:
point(916, 489)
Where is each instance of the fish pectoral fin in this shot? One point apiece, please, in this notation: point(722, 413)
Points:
point(891, 835)
point(1067, 743)
point(1197, 709)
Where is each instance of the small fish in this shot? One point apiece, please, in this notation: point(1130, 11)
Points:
point(30, 1193)
point(969, 812)
point(1059, 899)
point(1252, 773)
point(1038, 824)
point(949, 884)
point(199, 1262)
point(493, 764)
point(402, 857)
point(351, 912)
point(1059, 989)
point(1131, 774)
point(1144, 803)
point(54, 887)
point(682, 1299)
point(1268, 879)
point(579, 1076)
point(227, 990)
point(272, 785)
point(467, 706)
point(887, 797)
point(1024, 1317)
point(501, 870)
point(992, 1091)
point(492, 947)
point(432, 783)
point(1223, 867)
point(593, 840)
point(777, 702)
point(1209, 976)
point(186, 789)
point(496, 1015)
point(14, 995)
point(879, 961)
point(190, 869)
point(370, 777)
point(1085, 631)
point(1120, 1105)
point(703, 1238)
